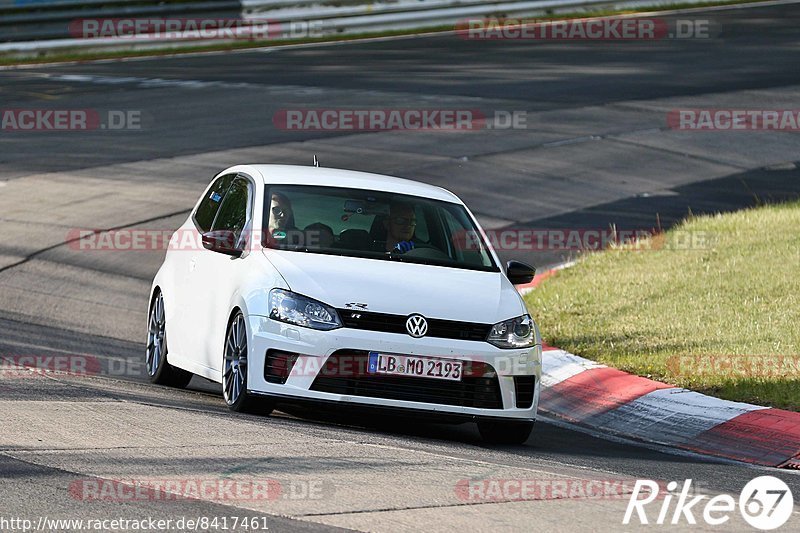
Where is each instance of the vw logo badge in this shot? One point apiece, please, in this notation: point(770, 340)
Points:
point(417, 326)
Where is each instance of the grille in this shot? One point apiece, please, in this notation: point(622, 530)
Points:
point(446, 329)
point(524, 386)
point(471, 391)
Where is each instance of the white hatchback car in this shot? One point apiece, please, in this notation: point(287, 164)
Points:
point(294, 284)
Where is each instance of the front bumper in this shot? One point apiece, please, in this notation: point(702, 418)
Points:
point(316, 347)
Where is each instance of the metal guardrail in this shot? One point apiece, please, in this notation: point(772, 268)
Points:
point(51, 20)
point(404, 14)
point(41, 25)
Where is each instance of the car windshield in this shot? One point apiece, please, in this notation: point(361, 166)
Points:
point(373, 224)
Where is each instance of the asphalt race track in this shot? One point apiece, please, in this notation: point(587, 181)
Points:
point(595, 150)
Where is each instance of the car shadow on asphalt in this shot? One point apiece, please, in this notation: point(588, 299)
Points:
point(547, 440)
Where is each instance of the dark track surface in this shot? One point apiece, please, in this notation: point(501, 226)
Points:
point(755, 49)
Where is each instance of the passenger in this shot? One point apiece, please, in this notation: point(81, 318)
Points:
point(318, 235)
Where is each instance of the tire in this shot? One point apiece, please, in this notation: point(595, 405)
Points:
point(158, 368)
point(501, 432)
point(234, 371)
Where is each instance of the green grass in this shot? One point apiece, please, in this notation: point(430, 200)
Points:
point(721, 318)
point(90, 54)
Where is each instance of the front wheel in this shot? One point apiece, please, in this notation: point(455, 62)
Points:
point(234, 371)
point(502, 432)
point(158, 368)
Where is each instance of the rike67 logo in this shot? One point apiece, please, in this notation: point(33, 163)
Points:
point(765, 503)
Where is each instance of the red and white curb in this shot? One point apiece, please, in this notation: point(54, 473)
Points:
point(610, 401)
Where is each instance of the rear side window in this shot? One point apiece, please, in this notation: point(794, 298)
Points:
point(207, 210)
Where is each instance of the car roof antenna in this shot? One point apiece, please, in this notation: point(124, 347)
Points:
point(316, 161)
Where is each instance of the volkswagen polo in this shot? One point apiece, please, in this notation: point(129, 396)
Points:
point(292, 283)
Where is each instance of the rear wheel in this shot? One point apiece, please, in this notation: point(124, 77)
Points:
point(158, 368)
point(502, 432)
point(234, 371)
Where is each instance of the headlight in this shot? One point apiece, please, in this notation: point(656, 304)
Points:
point(514, 333)
point(287, 306)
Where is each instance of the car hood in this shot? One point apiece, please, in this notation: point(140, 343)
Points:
point(399, 288)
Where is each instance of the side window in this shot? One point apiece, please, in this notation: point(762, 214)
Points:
point(207, 210)
point(232, 214)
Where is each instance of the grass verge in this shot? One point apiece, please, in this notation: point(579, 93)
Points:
point(8, 59)
point(712, 305)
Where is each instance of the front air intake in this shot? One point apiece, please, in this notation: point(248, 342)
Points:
point(278, 366)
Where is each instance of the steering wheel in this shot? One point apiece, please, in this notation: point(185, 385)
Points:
point(426, 251)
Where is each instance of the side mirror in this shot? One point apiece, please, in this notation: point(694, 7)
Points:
point(223, 242)
point(519, 273)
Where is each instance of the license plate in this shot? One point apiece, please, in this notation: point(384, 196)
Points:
point(420, 367)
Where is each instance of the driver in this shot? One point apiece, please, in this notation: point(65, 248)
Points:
point(400, 227)
point(281, 214)
point(281, 229)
